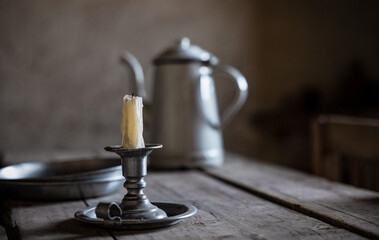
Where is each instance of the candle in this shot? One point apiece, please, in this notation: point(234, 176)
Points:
point(132, 122)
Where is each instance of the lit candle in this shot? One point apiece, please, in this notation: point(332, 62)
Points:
point(132, 122)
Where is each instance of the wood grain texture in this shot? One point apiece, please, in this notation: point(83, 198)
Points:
point(340, 205)
point(49, 220)
point(224, 212)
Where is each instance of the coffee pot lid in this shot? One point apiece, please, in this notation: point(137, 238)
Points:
point(185, 52)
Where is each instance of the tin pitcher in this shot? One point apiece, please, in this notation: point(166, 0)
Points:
point(185, 117)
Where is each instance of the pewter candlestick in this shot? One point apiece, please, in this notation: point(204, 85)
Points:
point(135, 204)
point(135, 211)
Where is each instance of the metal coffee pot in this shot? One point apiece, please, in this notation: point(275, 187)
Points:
point(185, 115)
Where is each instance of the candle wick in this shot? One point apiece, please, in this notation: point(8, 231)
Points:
point(132, 94)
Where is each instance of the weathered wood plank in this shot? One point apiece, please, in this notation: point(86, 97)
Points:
point(224, 212)
point(50, 220)
point(340, 205)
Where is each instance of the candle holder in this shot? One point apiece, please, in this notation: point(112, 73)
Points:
point(135, 210)
point(135, 204)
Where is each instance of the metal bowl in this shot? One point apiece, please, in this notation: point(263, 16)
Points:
point(68, 180)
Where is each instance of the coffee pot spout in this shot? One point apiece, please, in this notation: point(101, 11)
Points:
point(133, 64)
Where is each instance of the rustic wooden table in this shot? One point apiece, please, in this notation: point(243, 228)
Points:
point(245, 199)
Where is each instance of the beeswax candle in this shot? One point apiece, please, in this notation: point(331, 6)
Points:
point(132, 122)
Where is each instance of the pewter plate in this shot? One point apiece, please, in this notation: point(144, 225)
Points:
point(67, 180)
point(174, 211)
point(73, 170)
point(53, 191)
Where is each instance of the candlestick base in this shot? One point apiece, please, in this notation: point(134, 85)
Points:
point(175, 213)
point(135, 204)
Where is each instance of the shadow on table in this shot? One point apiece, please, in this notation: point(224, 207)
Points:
point(73, 227)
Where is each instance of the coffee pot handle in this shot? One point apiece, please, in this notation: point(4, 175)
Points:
point(136, 68)
point(240, 96)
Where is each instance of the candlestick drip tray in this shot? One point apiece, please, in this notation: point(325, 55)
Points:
point(175, 212)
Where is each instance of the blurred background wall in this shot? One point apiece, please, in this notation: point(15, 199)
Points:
point(61, 81)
